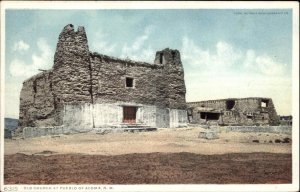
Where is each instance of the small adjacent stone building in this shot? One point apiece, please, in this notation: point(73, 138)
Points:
point(286, 120)
point(90, 90)
point(243, 111)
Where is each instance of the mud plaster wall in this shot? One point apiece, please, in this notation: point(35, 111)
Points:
point(80, 78)
point(38, 103)
point(111, 115)
point(246, 111)
point(160, 84)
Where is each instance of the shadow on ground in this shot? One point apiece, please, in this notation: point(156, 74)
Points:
point(148, 168)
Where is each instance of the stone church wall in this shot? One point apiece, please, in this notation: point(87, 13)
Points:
point(87, 90)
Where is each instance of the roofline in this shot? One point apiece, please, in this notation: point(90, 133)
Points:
point(125, 61)
point(245, 98)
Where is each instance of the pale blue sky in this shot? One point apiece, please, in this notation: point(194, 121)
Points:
point(225, 53)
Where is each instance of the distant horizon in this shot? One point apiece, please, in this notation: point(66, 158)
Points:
point(236, 53)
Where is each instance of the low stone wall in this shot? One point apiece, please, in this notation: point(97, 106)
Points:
point(178, 118)
point(264, 129)
point(7, 134)
point(209, 135)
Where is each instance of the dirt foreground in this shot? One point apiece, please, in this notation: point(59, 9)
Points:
point(163, 140)
point(150, 168)
point(166, 156)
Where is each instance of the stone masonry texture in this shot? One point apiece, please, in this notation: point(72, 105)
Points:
point(235, 111)
point(88, 89)
point(80, 77)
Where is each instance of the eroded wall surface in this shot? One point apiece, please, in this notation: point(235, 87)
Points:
point(85, 89)
point(38, 102)
point(243, 111)
point(88, 116)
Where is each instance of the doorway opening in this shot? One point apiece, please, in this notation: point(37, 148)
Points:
point(129, 115)
point(230, 104)
point(209, 116)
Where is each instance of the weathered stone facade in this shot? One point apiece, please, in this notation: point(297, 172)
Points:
point(88, 90)
point(243, 111)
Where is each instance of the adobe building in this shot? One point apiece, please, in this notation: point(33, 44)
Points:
point(286, 120)
point(90, 90)
point(242, 111)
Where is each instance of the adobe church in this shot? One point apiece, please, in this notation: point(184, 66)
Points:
point(90, 90)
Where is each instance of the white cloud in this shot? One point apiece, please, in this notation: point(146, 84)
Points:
point(239, 86)
point(263, 64)
point(138, 51)
point(225, 57)
point(41, 60)
point(101, 45)
point(104, 47)
point(20, 46)
point(12, 98)
point(194, 55)
point(17, 68)
point(228, 72)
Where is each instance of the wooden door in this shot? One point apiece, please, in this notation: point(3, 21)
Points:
point(129, 115)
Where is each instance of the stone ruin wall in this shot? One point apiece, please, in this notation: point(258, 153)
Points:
point(88, 89)
point(39, 105)
point(245, 111)
point(154, 84)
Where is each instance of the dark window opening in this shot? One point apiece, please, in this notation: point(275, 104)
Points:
point(129, 82)
point(209, 116)
point(202, 115)
point(202, 105)
point(249, 117)
point(264, 103)
point(230, 104)
point(50, 86)
point(161, 58)
point(213, 116)
point(173, 54)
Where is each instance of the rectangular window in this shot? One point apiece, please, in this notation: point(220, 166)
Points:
point(264, 103)
point(161, 58)
point(212, 116)
point(129, 82)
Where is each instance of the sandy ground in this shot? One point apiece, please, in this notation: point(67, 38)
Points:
point(165, 156)
point(163, 140)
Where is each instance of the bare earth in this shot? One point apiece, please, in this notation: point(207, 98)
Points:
point(164, 156)
point(163, 140)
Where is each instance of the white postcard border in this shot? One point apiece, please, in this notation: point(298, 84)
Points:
point(165, 5)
